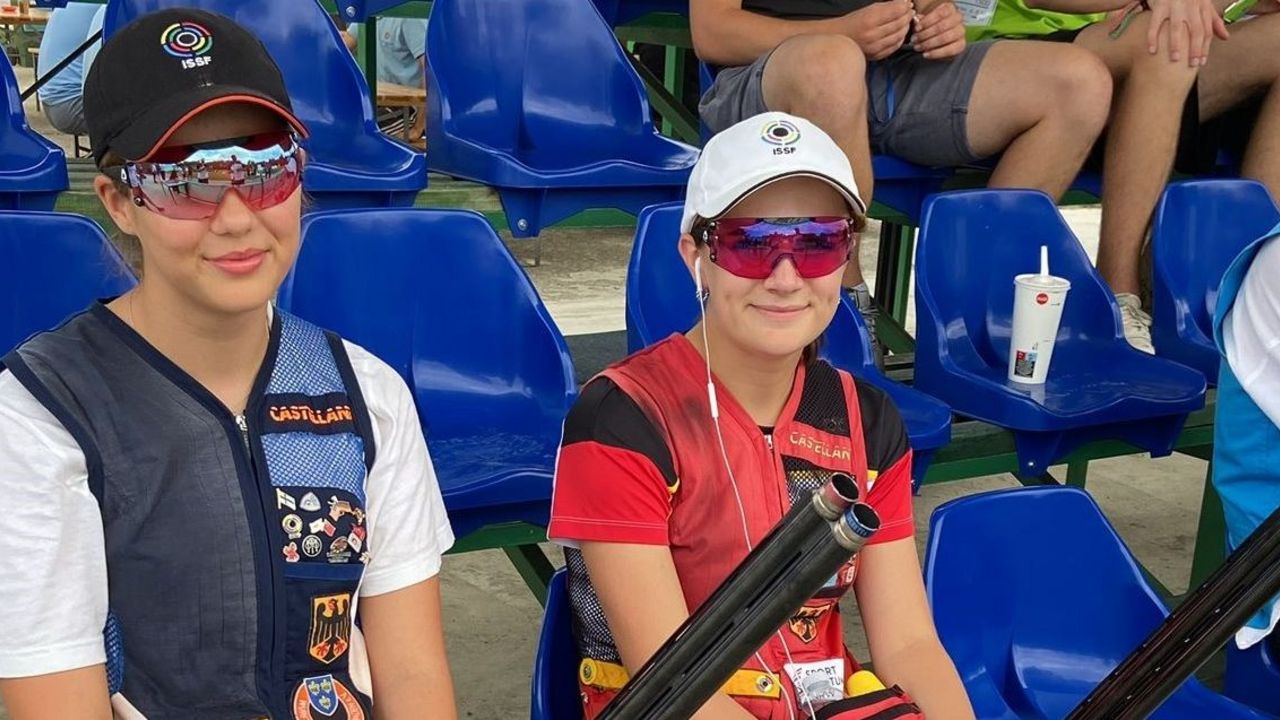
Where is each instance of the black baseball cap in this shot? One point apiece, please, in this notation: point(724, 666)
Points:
point(158, 71)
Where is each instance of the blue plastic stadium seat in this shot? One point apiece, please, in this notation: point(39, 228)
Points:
point(51, 266)
point(903, 186)
point(1253, 675)
point(1036, 599)
point(436, 295)
point(360, 10)
point(536, 98)
point(660, 301)
point(971, 246)
point(1200, 227)
point(555, 667)
point(350, 163)
point(32, 170)
point(621, 12)
point(1088, 181)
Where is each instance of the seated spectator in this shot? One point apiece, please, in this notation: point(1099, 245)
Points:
point(402, 50)
point(1246, 449)
point(402, 58)
point(1166, 93)
point(658, 496)
point(896, 78)
point(62, 96)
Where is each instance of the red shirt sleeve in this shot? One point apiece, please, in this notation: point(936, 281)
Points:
point(614, 475)
point(890, 495)
point(888, 463)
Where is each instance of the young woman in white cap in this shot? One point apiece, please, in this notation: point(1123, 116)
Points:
point(205, 495)
point(657, 499)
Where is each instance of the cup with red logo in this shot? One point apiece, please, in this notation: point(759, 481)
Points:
point(1037, 310)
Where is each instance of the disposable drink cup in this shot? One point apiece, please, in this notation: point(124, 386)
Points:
point(1037, 311)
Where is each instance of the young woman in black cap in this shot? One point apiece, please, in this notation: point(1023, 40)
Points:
point(215, 510)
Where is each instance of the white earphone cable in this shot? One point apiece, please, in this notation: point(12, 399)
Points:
point(733, 483)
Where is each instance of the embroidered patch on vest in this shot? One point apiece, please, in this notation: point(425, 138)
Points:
point(821, 434)
point(311, 423)
point(325, 694)
point(818, 447)
point(330, 627)
point(804, 624)
point(323, 414)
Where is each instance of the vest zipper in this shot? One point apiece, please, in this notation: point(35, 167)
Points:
point(768, 440)
point(244, 435)
point(242, 422)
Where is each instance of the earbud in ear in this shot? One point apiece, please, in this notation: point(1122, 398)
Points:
point(137, 200)
point(702, 293)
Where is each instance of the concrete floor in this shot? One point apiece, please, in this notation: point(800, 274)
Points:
point(491, 618)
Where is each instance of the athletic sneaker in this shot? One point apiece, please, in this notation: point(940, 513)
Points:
point(870, 312)
point(1137, 323)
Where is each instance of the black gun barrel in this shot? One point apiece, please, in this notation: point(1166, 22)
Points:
point(777, 577)
point(1192, 633)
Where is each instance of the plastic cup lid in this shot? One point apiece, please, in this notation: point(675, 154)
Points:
point(1043, 282)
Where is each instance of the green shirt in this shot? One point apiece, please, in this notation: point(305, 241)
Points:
point(988, 19)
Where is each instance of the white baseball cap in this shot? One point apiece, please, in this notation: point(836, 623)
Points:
point(760, 150)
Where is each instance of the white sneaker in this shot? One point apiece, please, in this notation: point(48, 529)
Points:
point(1137, 323)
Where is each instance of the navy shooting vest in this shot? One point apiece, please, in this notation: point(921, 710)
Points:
point(234, 544)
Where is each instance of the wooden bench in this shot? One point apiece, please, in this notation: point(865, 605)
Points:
point(407, 99)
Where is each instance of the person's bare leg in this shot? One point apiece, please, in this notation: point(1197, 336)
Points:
point(1247, 65)
point(822, 78)
point(1141, 141)
point(1043, 105)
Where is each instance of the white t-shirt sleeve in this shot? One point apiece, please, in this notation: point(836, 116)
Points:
point(408, 527)
point(53, 568)
point(1251, 331)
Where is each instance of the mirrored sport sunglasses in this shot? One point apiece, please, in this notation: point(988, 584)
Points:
point(752, 247)
point(188, 182)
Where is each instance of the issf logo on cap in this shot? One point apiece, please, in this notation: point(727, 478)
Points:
point(188, 41)
point(782, 134)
